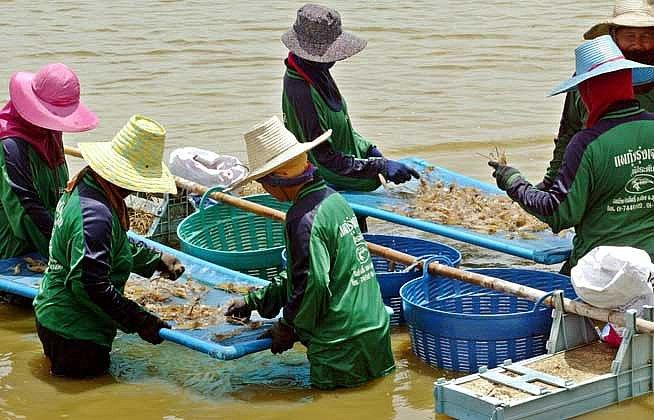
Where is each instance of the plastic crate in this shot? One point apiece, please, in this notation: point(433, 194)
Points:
point(168, 210)
point(392, 276)
point(460, 326)
point(235, 238)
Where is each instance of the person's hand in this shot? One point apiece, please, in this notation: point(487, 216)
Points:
point(504, 175)
point(239, 309)
point(399, 173)
point(283, 337)
point(374, 152)
point(170, 266)
point(149, 330)
point(544, 185)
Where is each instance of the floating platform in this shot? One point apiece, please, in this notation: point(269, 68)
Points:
point(544, 248)
point(579, 375)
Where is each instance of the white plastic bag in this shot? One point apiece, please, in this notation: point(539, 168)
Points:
point(613, 277)
point(205, 167)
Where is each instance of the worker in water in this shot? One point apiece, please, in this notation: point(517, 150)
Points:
point(80, 303)
point(604, 187)
point(330, 298)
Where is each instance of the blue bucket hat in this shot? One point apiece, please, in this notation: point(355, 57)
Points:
point(600, 56)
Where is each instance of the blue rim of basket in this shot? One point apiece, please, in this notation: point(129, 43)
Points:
point(450, 248)
point(538, 304)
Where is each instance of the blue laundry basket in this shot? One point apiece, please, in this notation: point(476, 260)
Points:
point(392, 276)
point(459, 326)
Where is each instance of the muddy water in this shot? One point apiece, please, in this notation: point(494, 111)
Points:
point(442, 80)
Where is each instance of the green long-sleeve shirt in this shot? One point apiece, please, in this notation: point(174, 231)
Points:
point(330, 295)
point(29, 191)
point(605, 188)
point(91, 258)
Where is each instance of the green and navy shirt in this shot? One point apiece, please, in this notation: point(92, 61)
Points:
point(342, 160)
point(330, 294)
point(91, 258)
point(605, 187)
point(29, 191)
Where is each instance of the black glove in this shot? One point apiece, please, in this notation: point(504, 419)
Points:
point(374, 152)
point(399, 172)
point(283, 337)
point(544, 185)
point(149, 329)
point(239, 309)
point(170, 267)
point(503, 174)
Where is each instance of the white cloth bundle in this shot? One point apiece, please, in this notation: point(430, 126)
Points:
point(205, 167)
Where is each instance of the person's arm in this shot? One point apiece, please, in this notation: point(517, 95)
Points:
point(269, 300)
point(312, 125)
point(564, 204)
point(27, 216)
point(146, 260)
point(571, 123)
point(91, 282)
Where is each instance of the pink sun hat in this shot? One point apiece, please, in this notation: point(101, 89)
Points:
point(51, 99)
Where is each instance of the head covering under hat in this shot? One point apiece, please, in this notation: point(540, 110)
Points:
point(133, 159)
point(317, 36)
point(269, 146)
point(51, 99)
point(630, 13)
point(600, 56)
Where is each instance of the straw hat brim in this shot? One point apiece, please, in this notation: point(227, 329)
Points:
point(279, 160)
point(345, 46)
point(70, 119)
point(633, 20)
point(118, 170)
point(642, 73)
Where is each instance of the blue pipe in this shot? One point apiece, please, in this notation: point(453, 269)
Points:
point(215, 350)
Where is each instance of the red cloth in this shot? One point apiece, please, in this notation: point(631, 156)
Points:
point(600, 92)
point(47, 143)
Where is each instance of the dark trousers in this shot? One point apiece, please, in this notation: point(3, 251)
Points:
point(73, 358)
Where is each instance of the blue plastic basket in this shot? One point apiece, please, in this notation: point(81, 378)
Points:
point(460, 326)
point(392, 276)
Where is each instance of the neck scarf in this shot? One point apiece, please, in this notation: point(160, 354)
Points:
point(599, 93)
point(47, 143)
point(304, 177)
point(318, 76)
point(111, 191)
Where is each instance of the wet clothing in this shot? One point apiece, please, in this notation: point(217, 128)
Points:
point(343, 161)
point(330, 294)
point(605, 187)
point(73, 358)
point(29, 191)
point(573, 120)
point(91, 258)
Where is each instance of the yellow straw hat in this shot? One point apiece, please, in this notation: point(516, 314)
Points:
point(134, 158)
point(270, 145)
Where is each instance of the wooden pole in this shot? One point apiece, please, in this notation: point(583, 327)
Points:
point(488, 282)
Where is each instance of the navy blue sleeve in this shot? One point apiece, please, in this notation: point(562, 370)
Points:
point(299, 95)
point(96, 267)
point(22, 184)
point(299, 245)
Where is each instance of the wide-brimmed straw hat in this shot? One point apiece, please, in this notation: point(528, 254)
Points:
point(269, 146)
point(51, 99)
point(600, 56)
point(632, 13)
point(133, 159)
point(317, 36)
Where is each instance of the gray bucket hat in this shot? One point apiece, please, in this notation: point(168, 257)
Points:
point(317, 36)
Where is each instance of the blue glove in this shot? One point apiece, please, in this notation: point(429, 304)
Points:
point(374, 152)
point(504, 175)
point(399, 173)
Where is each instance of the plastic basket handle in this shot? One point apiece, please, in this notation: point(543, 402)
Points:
point(541, 299)
point(203, 201)
point(425, 271)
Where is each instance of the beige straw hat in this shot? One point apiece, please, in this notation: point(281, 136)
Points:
point(632, 13)
point(270, 145)
point(134, 158)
